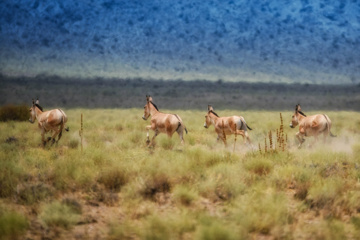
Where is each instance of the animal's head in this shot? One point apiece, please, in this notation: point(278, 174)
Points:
point(32, 111)
point(207, 117)
point(147, 107)
point(295, 118)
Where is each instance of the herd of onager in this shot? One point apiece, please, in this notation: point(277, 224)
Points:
point(315, 125)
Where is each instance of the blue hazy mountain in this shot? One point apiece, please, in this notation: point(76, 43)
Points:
point(314, 41)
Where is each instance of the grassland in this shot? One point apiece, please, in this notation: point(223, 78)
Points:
point(117, 188)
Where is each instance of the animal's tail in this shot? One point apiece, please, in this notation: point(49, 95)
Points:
point(248, 126)
point(62, 126)
point(328, 124)
point(181, 123)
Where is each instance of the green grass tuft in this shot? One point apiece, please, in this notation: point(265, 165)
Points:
point(58, 214)
point(12, 224)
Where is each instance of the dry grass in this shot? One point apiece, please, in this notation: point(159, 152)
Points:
point(117, 188)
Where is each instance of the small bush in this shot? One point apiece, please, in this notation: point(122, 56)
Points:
point(74, 143)
point(34, 193)
point(113, 178)
point(215, 231)
point(10, 174)
point(121, 231)
point(12, 225)
point(259, 166)
point(14, 113)
point(157, 228)
point(57, 214)
point(184, 195)
point(262, 212)
point(323, 194)
point(73, 204)
point(158, 183)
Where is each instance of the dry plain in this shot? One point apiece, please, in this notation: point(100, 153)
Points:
point(117, 188)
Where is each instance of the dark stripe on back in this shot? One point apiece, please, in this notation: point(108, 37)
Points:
point(302, 113)
point(214, 113)
point(154, 105)
point(39, 107)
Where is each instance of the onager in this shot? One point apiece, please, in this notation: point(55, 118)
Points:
point(310, 125)
point(53, 120)
point(227, 125)
point(162, 122)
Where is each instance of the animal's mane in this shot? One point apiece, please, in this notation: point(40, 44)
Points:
point(214, 113)
point(302, 113)
point(39, 107)
point(154, 105)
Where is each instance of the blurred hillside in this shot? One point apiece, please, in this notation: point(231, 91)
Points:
point(296, 41)
point(130, 93)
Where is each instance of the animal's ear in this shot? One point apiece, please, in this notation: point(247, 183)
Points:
point(37, 101)
point(147, 97)
point(33, 103)
point(298, 108)
point(150, 99)
point(210, 108)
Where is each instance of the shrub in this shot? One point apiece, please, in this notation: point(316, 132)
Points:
point(10, 174)
point(259, 166)
point(324, 193)
point(113, 178)
point(14, 113)
point(184, 195)
point(12, 225)
point(215, 232)
point(158, 183)
point(56, 214)
point(261, 212)
point(33, 193)
point(121, 231)
point(157, 228)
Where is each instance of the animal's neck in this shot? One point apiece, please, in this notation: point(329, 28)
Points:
point(213, 118)
point(38, 112)
point(300, 117)
point(153, 110)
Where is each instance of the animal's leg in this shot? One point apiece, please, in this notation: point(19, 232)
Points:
point(300, 138)
point(181, 136)
point(241, 132)
point(56, 132)
point(235, 141)
point(248, 137)
point(147, 134)
point(43, 137)
point(180, 131)
point(153, 138)
point(223, 138)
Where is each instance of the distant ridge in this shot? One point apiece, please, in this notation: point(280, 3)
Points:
point(176, 94)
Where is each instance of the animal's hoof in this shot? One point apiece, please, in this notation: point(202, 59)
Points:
point(48, 139)
point(147, 142)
